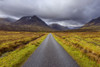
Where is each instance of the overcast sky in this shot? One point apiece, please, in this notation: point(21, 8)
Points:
point(70, 13)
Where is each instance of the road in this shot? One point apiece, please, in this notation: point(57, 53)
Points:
point(50, 54)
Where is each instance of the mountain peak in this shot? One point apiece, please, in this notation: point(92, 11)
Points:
point(31, 20)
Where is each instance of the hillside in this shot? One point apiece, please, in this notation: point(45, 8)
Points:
point(93, 24)
point(58, 27)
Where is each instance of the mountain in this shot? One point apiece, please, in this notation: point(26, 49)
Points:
point(93, 24)
point(58, 27)
point(26, 23)
point(31, 20)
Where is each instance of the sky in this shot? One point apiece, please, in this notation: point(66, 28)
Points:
point(71, 13)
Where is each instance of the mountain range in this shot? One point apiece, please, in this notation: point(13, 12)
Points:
point(27, 23)
point(34, 23)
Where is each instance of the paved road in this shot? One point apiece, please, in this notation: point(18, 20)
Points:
point(50, 54)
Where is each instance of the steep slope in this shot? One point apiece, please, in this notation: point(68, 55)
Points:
point(93, 24)
point(58, 27)
point(27, 23)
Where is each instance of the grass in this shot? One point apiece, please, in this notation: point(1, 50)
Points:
point(17, 57)
point(66, 40)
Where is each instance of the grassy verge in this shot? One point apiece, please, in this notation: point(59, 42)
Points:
point(17, 57)
point(80, 57)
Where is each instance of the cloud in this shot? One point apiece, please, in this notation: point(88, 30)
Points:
point(68, 11)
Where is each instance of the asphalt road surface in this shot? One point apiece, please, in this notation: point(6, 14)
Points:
point(50, 54)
